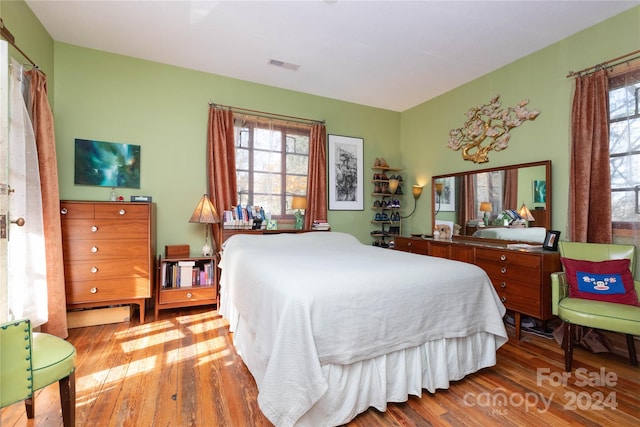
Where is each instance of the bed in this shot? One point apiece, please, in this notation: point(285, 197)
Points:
point(329, 327)
point(523, 234)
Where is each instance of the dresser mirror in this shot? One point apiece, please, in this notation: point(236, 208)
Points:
point(479, 201)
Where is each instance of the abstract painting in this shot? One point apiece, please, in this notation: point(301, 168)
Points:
point(107, 164)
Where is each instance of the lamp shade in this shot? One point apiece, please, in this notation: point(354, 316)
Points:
point(485, 207)
point(525, 213)
point(416, 190)
point(393, 185)
point(299, 202)
point(439, 187)
point(205, 213)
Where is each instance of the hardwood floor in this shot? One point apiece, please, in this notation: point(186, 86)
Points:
point(182, 370)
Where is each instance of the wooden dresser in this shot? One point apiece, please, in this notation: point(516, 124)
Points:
point(521, 277)
point(109, 253)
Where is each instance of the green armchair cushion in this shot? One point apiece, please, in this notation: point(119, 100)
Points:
point(609, 280)
point(601, 315)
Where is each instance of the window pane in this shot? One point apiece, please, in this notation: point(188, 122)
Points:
point(297, 164)
point(242, 179)
point(266, 183)
point(271, 204)
point(265, 139)
point(625, 171)
point(267, 161)
point(623, 206)
point(242, 159)
point(622, 101)
point(298, 144)
point(296, 184)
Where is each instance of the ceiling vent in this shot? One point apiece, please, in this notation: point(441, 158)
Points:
point(282, 64)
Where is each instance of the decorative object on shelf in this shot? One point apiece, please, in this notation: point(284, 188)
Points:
point(346, 174)
point(486, 208)
point(205, 213)
point(525, 213)
point(439, 186)
point(488, 121)
point(417, 191)
point(551, 241)
point(299, 202)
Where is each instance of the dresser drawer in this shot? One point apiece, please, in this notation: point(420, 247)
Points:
point(70, 210)
point(101, 269)
point(122, 210)
point(187, 294)
point(413, 245)
point(79, 292)
point(510, 272)
point(506, 258)
point(104, 249)
point(523, 297)
point(105, 229)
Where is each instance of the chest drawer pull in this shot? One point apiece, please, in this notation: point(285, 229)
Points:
point(503, 285)
point(63, 211)
point(410, 244)
point(94, 249)
point(503, 299)
point(503, 257)
point(189, 295)
point(93, 290)
point(503, 270)
point(122, 212)
point(94, 229)
point(94, 269)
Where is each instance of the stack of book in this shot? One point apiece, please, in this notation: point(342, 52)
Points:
point(320, 225)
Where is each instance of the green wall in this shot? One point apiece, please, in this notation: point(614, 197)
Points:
point(115, 98)
point(539, 77)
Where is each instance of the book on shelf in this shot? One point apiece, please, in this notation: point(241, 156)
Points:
point(320, 224)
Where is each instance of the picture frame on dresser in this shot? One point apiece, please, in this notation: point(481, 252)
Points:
point(346, 173)
point(551, 241)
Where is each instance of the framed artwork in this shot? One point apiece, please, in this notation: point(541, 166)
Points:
point(551, 241)
point(346, 173)
point(447, 201)
point(107, 164)
point(539, 191)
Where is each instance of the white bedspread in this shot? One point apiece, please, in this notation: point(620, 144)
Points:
point(318, 298)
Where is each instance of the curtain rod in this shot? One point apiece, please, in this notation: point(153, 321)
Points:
point(6, 34)
point(266, 114)
point(605, 64)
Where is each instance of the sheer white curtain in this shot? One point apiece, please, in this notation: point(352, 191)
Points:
point(27, 282)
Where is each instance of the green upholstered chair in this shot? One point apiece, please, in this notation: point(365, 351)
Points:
point(594, 314)
point(30, 361)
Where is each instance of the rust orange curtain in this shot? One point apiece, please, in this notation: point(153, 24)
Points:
point(317, 176)
point(42, 119)
point(510, 189)
point(589, 178)
point(221, 164)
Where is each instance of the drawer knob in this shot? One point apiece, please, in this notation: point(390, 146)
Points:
point(94, 249)
point(64, 211)
point(503, 299)
point(122, 212)
point(94, 269)
point(503, 257)
point(503, 270)
point(189, 295)
point(93, 290)
point(410, 243)
point(94, 229)
point(503, 285)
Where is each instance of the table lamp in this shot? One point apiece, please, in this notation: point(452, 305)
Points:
point(525, 213)
point(205, 213)
point(299, 202)
point(486, 208)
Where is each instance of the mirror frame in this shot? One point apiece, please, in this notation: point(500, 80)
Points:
point(549, 197)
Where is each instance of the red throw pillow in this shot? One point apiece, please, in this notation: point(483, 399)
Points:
point(609, 281)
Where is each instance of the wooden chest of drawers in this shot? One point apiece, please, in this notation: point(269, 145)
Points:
point(109, 253)
point(522, 278)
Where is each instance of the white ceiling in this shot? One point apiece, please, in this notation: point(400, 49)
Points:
point(387, 54)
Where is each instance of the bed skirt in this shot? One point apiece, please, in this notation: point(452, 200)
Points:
point(352, 389)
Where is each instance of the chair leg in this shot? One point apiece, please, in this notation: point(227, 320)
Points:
point(67, 387)
point(29, 405)
point(631, 346)
point(567, 345)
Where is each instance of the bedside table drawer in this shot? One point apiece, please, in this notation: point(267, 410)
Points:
point(187, 294)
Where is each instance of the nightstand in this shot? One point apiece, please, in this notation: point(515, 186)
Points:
point(186, 282)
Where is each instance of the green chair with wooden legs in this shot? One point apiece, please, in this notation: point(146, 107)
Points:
point(30, 361)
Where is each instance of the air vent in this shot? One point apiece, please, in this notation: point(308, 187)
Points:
point(282, 64)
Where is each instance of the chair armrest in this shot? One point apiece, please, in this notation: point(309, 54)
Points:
point(559, 290)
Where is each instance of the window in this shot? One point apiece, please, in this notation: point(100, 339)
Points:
point(624, 148)
point(272, 162)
